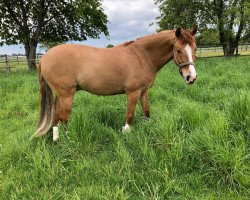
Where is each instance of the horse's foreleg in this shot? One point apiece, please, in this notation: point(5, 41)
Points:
point(131, 105)
point(145, 104)
point(62, 110)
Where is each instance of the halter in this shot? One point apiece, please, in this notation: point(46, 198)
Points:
point(182, 64)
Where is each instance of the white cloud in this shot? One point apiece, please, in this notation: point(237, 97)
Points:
point(128, 20)
point(132, 17)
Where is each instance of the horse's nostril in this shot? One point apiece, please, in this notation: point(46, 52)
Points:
point(192, 81)
point(188, 77)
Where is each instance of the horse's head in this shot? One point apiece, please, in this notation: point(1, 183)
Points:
point(184, 54)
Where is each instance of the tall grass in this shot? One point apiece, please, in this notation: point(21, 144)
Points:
point(195, 146)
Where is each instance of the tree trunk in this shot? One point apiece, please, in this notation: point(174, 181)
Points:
point(229, 51)
point(225, 49)
point(30, 52)
point(227, 39)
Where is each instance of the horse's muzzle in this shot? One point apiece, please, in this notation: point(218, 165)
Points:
point(190, 80)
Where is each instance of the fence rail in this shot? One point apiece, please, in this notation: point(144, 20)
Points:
point(9, 62)
point(217, 51)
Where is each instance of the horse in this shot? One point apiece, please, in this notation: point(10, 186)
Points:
point(128, 68)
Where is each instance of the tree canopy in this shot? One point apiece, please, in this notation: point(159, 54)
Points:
point(110, 46)
point(229, 17)
point(208, 37)
point(31, 21)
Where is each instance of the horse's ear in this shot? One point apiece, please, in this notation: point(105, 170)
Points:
point(194, 30)
point(178, 32)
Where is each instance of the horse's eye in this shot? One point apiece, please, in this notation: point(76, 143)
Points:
point(178, 51)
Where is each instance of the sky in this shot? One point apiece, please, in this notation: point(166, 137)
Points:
point(128, 20)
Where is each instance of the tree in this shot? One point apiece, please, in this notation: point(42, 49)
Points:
point(47, 45)
point(208, 37)
point(110, 46)
point(28, 22)
point(246, 37)
point(229, 17)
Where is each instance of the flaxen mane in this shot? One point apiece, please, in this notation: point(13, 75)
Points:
point(185, 37)
point(125, 44)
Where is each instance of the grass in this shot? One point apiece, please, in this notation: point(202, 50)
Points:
point(195, 146)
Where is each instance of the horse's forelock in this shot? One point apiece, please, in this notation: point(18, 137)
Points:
point(187, 37)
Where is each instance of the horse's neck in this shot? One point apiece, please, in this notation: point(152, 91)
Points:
point(157, 49)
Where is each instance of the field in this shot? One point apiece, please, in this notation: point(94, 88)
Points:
point(195, 146)
point(243, 50)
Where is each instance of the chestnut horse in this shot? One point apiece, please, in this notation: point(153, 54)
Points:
point(127, 68)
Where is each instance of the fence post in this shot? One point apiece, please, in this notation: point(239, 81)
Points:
point(7, 64)
point(246, 45)
point(17, 60)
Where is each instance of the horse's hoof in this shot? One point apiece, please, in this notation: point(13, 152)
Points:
point(126, 129)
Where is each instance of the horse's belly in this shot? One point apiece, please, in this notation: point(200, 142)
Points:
point(102, 91)
point(102, 87)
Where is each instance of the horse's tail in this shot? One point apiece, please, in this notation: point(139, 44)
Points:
point(46, 107)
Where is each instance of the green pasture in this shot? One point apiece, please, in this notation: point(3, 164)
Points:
point(195, 146)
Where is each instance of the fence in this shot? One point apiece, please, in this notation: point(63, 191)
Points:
point(217, 51)
point(9, 62)
point(12, 62)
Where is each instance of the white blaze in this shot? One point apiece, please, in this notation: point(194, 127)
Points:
point(190, 59)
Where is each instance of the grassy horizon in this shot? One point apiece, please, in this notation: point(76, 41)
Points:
point(195, 146)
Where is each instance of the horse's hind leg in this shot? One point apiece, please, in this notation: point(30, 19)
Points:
point(145, 104)
point(56, 119)
point(62, 110)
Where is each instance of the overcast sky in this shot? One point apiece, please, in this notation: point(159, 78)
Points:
point(128, 20)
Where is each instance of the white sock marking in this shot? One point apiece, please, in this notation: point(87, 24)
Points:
point(55, 133)
point(126, 128)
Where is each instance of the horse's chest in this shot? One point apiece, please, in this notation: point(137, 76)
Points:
point(148, 81)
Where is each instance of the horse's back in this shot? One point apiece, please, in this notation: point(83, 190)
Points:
point(76, 55)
